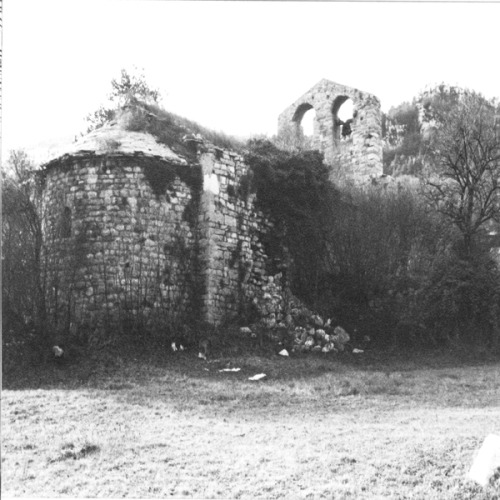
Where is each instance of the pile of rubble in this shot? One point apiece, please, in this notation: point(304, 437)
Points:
point(323, 339)
point(271, 303)
point(288, 321)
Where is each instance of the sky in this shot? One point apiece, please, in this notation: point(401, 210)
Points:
point(231, 66)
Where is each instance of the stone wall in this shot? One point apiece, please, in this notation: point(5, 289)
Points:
point(128, 233)
point(355, 153)
point(233, 240)
point(114, 246)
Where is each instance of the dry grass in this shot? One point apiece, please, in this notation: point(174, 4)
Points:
point(315, 428)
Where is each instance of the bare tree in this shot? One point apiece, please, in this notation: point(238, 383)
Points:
point(22, 295)
point(465, 148)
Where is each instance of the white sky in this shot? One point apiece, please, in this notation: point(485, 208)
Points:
point(231, 66)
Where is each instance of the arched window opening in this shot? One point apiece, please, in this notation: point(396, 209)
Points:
point(343, 117)
point(65, 223)
point(308, 122)
point(304, 118)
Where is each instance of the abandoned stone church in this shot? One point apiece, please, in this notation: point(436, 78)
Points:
point(131, 225)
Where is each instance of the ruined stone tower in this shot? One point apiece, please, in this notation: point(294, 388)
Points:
point(353, 148)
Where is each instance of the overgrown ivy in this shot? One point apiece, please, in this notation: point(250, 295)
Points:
point(161, 175)
point(295, 191)
point(291, 186)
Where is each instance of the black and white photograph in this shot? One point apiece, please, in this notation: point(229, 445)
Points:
point(250, 249)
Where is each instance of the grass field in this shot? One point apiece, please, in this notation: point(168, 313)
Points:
point(358, 427)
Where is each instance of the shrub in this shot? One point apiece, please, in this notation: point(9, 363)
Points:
point(462, 300)
point(171, 127)
point(132, 93)
point(381, 250)
point(361, 256)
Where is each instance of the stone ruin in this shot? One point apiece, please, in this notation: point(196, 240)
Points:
point(352, 147)
point(132, 227)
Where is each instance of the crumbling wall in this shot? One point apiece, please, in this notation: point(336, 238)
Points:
point(234, 232)
point(354, 149)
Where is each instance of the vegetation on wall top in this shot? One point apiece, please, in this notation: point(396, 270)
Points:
point(170, 129)
point(132, 93)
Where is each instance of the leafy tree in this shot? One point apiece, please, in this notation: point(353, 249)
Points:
point(465, 148)
point(128, 90)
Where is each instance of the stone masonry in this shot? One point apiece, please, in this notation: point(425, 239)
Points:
point(353, 149)
point(233, 234)
point(133, 228)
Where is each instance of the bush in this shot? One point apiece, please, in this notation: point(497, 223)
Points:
point(462, 300)
point(381, 248)
point(361, 256)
